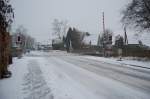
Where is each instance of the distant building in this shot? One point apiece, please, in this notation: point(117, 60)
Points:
point(43, 46)
point(58, 44)
point(91, 39)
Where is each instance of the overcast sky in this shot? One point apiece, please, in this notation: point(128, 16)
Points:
point(86, 15)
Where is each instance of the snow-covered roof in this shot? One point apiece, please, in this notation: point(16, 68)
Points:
point(118, 37)
point(145, 38)
point(93, 38)
point(132, 39)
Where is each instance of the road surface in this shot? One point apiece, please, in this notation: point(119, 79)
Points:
point(73, 76)
point(101, 78)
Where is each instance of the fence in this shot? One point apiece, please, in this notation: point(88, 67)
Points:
point(134, 50)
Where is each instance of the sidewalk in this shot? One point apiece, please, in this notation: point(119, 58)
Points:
point(11, 88)
point(27, 81)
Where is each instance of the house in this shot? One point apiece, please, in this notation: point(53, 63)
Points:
point(58, 44)
point(134, 48)
point(91, 40)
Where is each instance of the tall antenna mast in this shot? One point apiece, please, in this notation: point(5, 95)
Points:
point(103, 23)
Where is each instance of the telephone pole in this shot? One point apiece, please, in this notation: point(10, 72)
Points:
point(103, 23)
point(104, 42)
point(125, 36)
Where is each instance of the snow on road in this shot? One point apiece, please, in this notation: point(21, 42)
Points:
point(47, 75)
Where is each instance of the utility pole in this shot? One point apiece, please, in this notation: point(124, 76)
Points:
point(125, 36)
point(103, 23)
point(104, 42)
point(125, 40)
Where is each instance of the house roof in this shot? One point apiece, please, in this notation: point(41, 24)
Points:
point(93, 38)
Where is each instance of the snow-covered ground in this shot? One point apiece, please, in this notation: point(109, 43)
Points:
point(58, 75)
point(125, 61)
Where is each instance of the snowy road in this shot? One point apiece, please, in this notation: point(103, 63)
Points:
point(68, 76)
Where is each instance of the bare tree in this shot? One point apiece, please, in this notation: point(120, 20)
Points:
point(64, 27)
point(26, 41)
point(21, 29)
point(59, 28)
point(137, 14)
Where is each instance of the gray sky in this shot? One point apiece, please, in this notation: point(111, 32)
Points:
point(37, 15)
